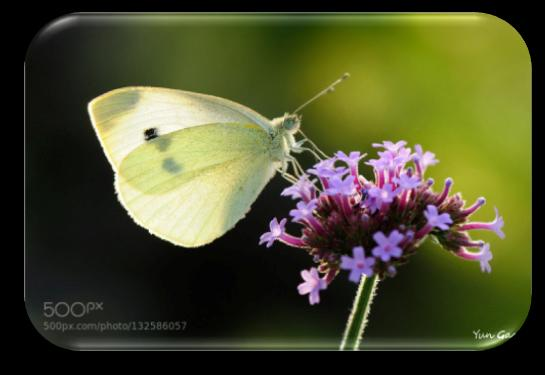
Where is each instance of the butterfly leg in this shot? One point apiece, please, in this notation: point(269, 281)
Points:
point(297, 168)
point(285, 174)
point(313, 149)
point(300, 150)
point(284, 170)
point(297, 148)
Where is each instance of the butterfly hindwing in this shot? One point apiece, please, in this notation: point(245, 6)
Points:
point(192, 185)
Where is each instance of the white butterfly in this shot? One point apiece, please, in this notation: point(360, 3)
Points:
point(188, 166)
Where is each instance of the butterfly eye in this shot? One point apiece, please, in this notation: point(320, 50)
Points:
point(291, 123)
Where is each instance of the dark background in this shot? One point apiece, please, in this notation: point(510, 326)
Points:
point(81, 245)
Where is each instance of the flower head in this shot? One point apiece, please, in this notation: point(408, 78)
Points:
point(358, 264)
point(371, 227)
point(312, 285)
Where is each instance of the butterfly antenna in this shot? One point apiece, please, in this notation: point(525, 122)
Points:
point(325, 91)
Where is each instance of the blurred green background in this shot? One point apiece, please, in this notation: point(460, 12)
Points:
point(459, 84)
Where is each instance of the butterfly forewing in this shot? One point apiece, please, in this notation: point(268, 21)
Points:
point(124, 117)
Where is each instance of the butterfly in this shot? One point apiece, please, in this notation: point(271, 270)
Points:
point(188, 166)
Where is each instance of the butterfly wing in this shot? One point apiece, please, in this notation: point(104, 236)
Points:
point(192, 185)
point(122, 116)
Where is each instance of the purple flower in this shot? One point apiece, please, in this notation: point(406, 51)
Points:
point(392, 160)
point(277, 230)
point(352, 159)
point(303, 211)
point(495, 226)
point(435, 220)
point(390, 146)
point(302, 189)
point(371, 204)
point(404, 153)
point(391, 270)
point(407, 182)
point(341, 187)
point(384, 195)
point(387, 247)
point(426, 158)
point(326, 169)
point(388, 160)
point(312, 285)
point(358, 264)
point(485, 258)
point(378, 164)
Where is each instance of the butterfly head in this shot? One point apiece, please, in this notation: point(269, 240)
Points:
point(290, 122)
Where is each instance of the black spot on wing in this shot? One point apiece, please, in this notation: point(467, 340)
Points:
point(150, 134)
point(171, 166)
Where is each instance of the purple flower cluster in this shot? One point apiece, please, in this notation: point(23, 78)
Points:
point(370, 227)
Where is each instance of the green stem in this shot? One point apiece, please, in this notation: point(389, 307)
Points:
point(357, 320)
